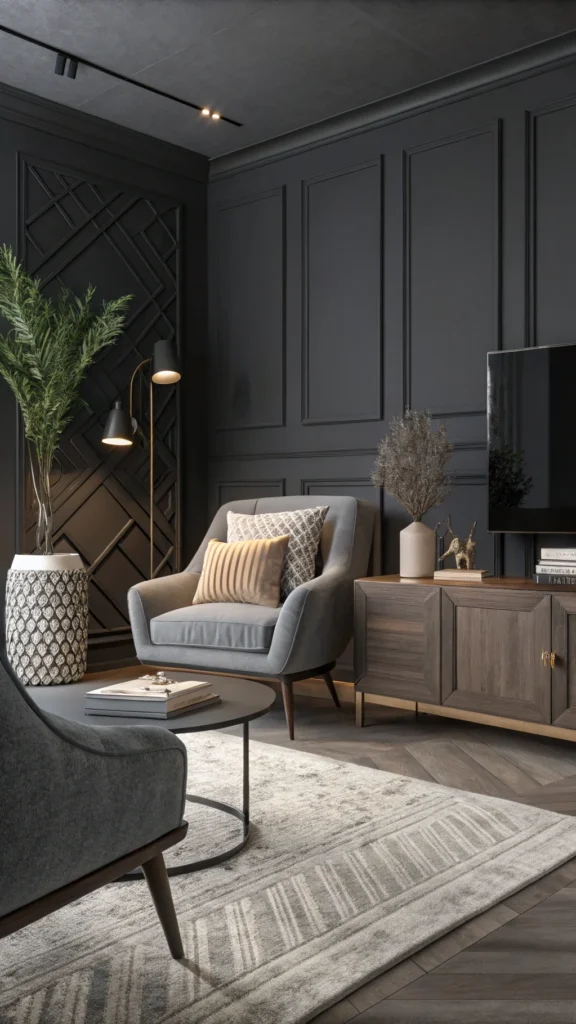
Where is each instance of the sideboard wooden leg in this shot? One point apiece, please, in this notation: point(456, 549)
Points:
point(359, 706)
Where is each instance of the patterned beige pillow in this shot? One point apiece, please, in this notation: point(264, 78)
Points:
point(304, 526)
point(247, 572)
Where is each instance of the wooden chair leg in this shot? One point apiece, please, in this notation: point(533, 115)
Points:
point(359, 705)
point(330, 684)
point(288, 698)
point(159, 886)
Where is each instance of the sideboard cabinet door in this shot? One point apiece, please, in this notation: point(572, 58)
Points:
point(397, 640)
point(564, 671)
point(492, 645)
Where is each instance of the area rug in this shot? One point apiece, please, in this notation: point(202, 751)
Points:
point(349, 871)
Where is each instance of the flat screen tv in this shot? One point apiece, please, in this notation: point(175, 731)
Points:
point(532, 440)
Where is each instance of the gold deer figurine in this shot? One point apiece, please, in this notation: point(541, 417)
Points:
point(464, 551)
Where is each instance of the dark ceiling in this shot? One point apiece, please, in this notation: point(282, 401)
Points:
point(275, 65)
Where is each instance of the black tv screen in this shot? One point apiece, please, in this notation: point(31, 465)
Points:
point(532, 440)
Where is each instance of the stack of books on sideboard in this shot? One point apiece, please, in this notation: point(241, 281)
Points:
point(556, 565)
point(150, 697)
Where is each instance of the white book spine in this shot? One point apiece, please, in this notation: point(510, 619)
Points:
point(558, 555)
point(563, 568)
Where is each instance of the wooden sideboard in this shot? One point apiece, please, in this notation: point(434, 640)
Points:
point(501, 652)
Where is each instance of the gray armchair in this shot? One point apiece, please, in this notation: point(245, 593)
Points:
point(302, 638)
point(81, 806)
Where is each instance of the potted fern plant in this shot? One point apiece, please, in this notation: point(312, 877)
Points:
point(44, 357)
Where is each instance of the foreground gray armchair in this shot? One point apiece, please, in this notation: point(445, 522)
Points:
point(303, 637)
point(80, 806)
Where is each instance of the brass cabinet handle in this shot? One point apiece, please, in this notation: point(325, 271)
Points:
point(552, 659)
point(549, 658)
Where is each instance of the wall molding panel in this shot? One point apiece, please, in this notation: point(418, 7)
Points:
point(547, 233)
point(326, 301)
point(250, 312)
point(236, 490)
point(493, 130)
point(473, 195)
point(328, 453)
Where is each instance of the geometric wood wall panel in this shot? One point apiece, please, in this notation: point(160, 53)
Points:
point(452, 271)
point(554, 226)
point(250, 320)
point(74, 232)
point(342, 296)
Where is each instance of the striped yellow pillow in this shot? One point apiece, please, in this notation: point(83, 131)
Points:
point(246, 571)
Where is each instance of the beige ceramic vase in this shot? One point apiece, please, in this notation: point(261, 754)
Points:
point(417, 551)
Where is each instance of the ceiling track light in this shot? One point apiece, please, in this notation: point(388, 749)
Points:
point(62, 59)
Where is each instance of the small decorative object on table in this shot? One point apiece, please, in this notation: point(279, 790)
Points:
point(44, 358)
point(557, 566)
point(464, 552)
point(411, 466)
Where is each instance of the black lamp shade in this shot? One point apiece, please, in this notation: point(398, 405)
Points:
point(118, 430)
point(165, 368)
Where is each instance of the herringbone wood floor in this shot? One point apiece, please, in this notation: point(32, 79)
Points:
point(515, 964)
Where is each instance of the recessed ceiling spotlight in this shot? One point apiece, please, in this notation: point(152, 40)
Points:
point(215, 117)
point(205, 111)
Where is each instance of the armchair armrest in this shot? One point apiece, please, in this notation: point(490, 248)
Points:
point(80, 796)
point(154, 597)
point(314, 625)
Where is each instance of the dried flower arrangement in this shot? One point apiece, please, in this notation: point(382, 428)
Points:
point(412, 461)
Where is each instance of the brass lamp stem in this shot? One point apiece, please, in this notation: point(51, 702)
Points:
point(132, 378)
point(151, 442)
point(151, 416)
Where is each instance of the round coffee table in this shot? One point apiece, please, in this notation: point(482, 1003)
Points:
point(242, 700)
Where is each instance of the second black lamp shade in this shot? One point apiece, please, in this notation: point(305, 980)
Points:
point(120, 425)
point(165, 368)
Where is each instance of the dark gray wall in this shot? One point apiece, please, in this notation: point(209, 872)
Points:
point(376, 271)
point(83, 201)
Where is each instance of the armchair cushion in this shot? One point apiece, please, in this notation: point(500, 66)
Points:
point(225, 627)
point(303, 525)
point(248, 571)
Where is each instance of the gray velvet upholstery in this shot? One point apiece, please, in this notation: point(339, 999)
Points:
point(75, 798)
point(227, 627)
point(314, 625)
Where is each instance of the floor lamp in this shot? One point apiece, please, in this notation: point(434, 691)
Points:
point(121, 426)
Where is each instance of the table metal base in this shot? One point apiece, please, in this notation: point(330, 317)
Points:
point(242, 815)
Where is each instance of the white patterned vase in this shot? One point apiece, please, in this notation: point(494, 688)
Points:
point(47, 619)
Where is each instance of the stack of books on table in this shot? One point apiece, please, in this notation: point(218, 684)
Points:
point(556, 565)
point(150, 697)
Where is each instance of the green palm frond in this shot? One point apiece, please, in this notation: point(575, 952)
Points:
point(44, 358)
point(45, 355)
